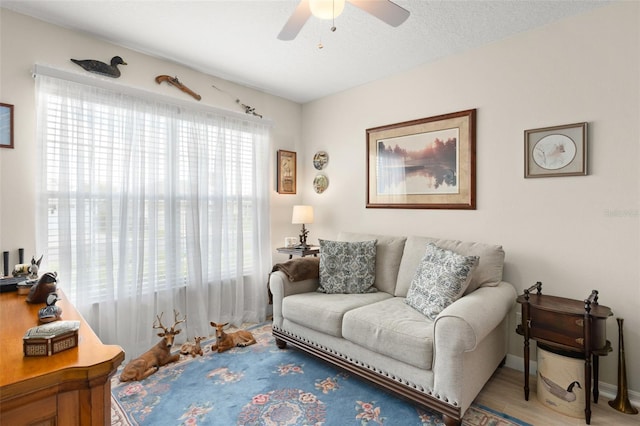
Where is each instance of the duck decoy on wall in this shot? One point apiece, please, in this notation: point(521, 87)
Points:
point(101, 68)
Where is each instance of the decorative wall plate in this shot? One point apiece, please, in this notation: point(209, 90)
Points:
point(320, 160)
point(320, 183)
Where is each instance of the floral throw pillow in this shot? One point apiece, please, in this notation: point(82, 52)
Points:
point(441, 279)
point(347, 267)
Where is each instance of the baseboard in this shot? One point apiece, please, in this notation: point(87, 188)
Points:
point(517, 363)
point(607, 390)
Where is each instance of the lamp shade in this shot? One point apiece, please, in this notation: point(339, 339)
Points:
point(302, 214)
point(326, 9)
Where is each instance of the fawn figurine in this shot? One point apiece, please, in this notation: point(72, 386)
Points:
point(192, 349)
point(225, 341)
point(159, 355)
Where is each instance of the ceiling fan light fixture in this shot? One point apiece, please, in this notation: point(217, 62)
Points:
point(326, 9)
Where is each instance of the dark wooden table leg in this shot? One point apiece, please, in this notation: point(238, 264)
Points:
point(596, 367)
point(526, 323)
point(526, 369)
point(587, 388)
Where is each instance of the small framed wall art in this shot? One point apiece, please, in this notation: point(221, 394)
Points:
point(6, 125)
point(556, 151)
point(286, 172)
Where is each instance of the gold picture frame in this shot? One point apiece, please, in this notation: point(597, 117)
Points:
point(429, 163)
point(6, 126)
point(556, 151)
point(287, 172)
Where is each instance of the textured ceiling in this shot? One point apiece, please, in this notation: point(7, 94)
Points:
point(236, 40)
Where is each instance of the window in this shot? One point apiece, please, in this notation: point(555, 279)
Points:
point(145, 197)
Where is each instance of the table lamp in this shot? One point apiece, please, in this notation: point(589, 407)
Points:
point(302, 215)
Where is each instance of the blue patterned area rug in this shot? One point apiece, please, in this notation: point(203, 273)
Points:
point(264, 385)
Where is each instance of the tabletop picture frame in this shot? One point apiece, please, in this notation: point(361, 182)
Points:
point(6, 125)
point(556, 151)
point(286, 166)
point(429, 163)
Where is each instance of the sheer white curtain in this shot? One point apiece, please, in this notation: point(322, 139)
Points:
point(146, 207)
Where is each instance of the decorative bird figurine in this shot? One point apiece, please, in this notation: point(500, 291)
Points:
point(51, 312)
point(559, 391)
point(101, 68)
point(39, 292)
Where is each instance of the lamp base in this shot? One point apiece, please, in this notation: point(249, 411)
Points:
point(303, 238)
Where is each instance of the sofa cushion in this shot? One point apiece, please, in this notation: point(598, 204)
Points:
point(324, 312)
point(488, 273)
point(394, 329)
point(388, 256)
point(347, 267)
point(441, 279)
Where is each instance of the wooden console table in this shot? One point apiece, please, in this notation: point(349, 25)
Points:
point(71, 387)
point(567, 324)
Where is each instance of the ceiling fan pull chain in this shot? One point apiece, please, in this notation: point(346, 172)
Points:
point(333, 16)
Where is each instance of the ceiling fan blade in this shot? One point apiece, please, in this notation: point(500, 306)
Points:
point(296, 21)
point(384, 10)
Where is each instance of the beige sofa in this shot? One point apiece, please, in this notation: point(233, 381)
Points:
point(442, 363)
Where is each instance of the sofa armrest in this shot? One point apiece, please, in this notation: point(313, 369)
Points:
point(467, 347)
point(281, 287)
point(464, 323)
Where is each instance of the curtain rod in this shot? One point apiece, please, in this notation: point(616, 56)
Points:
point(48, 71)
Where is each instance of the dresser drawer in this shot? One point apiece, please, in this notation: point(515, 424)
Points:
point(565, 329)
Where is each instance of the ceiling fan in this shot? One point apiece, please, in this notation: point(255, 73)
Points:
point(385, 10)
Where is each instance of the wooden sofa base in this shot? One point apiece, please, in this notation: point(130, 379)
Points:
point(450, 415)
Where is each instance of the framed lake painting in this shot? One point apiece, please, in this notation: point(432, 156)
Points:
point(429, 163)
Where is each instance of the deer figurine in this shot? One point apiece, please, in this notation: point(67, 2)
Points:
point(225, 341)
point(192, 349)
point(159, 355)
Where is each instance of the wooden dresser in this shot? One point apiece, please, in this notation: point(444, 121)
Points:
point(69, 388)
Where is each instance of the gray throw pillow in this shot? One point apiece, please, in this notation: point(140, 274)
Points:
point(441, 279)
point(347, 267)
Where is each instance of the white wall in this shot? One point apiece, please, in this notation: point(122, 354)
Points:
point(25, 41)
point(574, 234)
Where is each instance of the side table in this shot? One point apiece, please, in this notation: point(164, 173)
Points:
point(567, 324)
point(299, 251)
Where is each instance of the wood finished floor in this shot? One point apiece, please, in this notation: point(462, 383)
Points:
point(504, 393)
